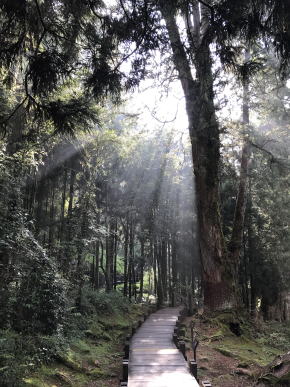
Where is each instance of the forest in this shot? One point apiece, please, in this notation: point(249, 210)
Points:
point(144, 159)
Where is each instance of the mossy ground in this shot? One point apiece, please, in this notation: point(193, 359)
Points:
point(94, 358)
point(229, 360)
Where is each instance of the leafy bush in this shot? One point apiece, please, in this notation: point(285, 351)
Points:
point(40, 301)
point(22, 353)
point(101, 302)
point(33, 296)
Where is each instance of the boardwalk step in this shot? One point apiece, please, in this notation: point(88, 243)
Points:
point(157, 368)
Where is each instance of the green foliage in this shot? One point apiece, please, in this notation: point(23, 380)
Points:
point(21, 353)
point(67, 115)
point(70, 206)
point(30, 278)
point(103, 303)
point(46, 69)
point(93, 350)
point(40, 285)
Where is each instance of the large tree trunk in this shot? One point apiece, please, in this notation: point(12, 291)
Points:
point(204, 134)
point(251, 256)
point(235, 244)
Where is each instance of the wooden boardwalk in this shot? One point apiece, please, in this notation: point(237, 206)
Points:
point(154, 360)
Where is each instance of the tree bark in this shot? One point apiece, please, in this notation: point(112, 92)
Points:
point(204, 135)
point(131, 258)
point(41, 194)
point(126, 243)
point(236, 241)
point(110, 255)
point(174, 271)
point(115, 254)
point(70, 204)
point(97, 266)
point(63, 199)
point(51, 215)
point(142, 264)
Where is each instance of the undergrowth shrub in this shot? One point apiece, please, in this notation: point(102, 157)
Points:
point(40, 300)
point(20, 354)
point(100, 302)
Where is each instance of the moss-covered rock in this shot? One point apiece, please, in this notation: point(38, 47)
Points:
point(277, 372)
point(225, 352)
point(64, 378)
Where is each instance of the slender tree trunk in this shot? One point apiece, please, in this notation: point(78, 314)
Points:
point(131, 258)
point(102, 258)
point(110, 256)
point(97, 266)
point(163, 267)
point(160, 284)
point(51, 215)
point(62, 211)
point(155, 267)
point(68, 222)
point(45, 215)
point(169, 249)
point(174, 271)
point(115, 254)
point(142, 270)
point(41, 194)
point(70, 204)
point(126, 243)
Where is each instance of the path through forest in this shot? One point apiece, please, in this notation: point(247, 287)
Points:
point(154, 360)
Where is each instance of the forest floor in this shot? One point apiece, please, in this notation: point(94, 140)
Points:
point(92, 359)
point(237, 359)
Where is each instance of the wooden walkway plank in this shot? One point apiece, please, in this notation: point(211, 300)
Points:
point(154, 360)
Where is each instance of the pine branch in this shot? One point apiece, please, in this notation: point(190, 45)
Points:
point(273, 158)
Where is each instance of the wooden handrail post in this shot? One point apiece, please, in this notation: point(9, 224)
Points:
point(126, 349)
point(194, 347)
point(125, 370)
point(175, 339)
point(181, 346)
point(193, 368)
point(206, 383)
point(133, 330)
